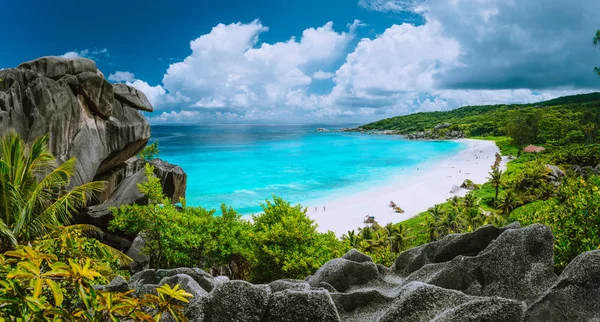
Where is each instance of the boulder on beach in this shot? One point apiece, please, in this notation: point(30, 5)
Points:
point(468, 184)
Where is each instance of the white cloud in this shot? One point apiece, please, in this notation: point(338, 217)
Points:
point(464, 52)
point(87, 53)
point(389, 5)
point(209, 103)
point(120, 77)
point(227, 68)
point(173, 117)
point(71, 54)
point(320, 74)
point(157, 95)
point(404, 58)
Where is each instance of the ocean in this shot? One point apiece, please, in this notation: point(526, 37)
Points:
point(243, 165)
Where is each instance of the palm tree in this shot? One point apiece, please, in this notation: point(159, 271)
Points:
point(508, 203)
point(451, 222)
point(436, 212)
point(472, 218)
point(397, 237)
point(352, 238)
point(470, 201)
point(496, 180)
point(35, 194)
point(432, 223)
point(431, 226)
point(455, 203)
point(597, 42)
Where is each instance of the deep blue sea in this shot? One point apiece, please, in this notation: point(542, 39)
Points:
point(242, 165)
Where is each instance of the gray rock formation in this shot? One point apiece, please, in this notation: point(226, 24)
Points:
point(90, 119)
point(132, 97)
point(468, 184)
point(67, 99)
point(123, 182)
point(492, 274)
point(141, 260)
point(238, 301)
point(555, 175)
point(576, 294)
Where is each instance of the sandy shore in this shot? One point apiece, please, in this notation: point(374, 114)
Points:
point(414, 193)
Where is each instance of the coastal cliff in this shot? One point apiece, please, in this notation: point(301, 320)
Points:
point(492, 274)
point(89, 118)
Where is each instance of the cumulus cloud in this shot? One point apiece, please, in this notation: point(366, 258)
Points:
point(510, 44)
point(390, 5)
point(500, 52)
point(227, 68)
point(87, 53)
point(404, 58)
point(174, 117)
point(320, 74)
point(157, 95)
point(120, 77)
point(465, 52)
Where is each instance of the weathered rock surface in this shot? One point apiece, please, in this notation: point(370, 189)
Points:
point(132, 97)
point(492, 274)
point(123, 182)
point(67, 99)
point(141, 260)
point(576, 294)
point(238, 301)
point(90, 119)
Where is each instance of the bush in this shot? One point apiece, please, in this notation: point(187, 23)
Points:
point(281, 243)
point(574, 216)
point(287, 244)
point(150, 152)
point(582, 155)
point(39, 285)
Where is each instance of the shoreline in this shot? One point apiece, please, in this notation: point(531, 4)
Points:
point(414, 193)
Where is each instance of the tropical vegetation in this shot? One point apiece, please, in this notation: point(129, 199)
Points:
point(49, 266)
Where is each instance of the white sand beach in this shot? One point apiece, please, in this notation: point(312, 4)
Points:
point(414, 193)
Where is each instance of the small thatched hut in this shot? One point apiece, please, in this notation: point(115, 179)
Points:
point(533, 149)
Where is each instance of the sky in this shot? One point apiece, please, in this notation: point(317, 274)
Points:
point(342, 61)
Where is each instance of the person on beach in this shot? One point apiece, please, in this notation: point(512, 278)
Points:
point(315, 209)
point(323, 208)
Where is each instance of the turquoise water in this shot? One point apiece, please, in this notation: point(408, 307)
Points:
point(242, 165)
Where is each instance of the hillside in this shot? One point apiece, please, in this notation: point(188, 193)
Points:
point(557, 118)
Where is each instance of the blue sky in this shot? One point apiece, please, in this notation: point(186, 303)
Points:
point(317, 61)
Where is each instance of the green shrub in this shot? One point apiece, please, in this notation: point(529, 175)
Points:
point(574, 216)
point(150, 152)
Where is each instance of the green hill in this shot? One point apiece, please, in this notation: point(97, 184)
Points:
point(555, 120)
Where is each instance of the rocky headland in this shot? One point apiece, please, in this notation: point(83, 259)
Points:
point(443, 131)
point(91, 119)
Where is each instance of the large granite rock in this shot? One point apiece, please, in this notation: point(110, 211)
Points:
point(126, 178)
point(132, 97)
point(98, 93)
point(518, 265)
point(238, 301)
point(90, 119)
point(141, 260)
point(448, 248)
point(302, 306)
point(67, 99)
point(576, 294)
point(492, 274)
point(56, 67)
